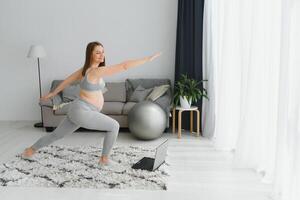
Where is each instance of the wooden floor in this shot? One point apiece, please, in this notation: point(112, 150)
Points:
point(197, 170)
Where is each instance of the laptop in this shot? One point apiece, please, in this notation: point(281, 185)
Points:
point(151, 164)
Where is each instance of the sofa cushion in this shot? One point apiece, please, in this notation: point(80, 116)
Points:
point(112, 108)
point(132, 84)
point(62, 109)
point(56, 107)
point(140, 94)
point(116, 92)
point(157, 92)
point(127, 107)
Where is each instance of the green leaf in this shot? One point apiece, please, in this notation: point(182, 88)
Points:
point(189, 87)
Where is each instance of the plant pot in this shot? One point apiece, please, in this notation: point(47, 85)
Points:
point(184, 103)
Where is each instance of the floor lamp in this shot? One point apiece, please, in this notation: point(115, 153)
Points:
point(37, 51)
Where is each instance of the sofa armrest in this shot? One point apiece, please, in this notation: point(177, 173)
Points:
point(57, 99)
point(165, 101)
point(47, 103)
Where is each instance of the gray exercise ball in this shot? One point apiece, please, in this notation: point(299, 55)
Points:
point(147, 120)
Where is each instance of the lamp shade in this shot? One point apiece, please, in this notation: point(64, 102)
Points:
point(36, 51)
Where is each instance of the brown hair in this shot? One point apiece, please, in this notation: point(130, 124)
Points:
point(89, 49)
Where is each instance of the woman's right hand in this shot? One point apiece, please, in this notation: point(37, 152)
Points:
point(47, 96)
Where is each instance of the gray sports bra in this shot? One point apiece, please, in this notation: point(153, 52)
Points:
point(86, 85)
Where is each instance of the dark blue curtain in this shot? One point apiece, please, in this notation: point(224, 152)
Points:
point(189, 47)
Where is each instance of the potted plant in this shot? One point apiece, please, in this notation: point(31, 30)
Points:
point(186, 91)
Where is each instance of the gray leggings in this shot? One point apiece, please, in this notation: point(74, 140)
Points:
point(86, 115)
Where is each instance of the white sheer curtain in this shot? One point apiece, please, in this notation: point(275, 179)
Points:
point(287, 172)
point(260, 51)
point(252, 62)
point(209, 59)
point(220, 23)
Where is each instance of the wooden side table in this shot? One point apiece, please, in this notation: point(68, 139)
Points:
point(180, 110)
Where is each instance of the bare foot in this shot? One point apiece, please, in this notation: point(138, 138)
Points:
point(28, 152)
point(103, 160)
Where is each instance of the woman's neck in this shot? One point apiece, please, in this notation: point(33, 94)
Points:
point(94, 65)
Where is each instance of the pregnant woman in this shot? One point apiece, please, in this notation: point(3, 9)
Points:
point(85, 110)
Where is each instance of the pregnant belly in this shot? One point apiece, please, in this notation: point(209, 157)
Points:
point(94, 98)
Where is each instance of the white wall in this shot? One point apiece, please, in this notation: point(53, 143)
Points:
point(128, 29)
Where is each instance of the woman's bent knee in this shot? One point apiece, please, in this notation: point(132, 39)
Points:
point(116, 126)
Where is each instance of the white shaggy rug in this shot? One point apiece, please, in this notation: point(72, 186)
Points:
point(65, 166)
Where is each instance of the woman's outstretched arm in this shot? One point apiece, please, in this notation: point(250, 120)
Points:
point(110, 70)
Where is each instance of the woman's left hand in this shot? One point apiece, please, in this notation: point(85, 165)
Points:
point(48, 96)
point(154, 56)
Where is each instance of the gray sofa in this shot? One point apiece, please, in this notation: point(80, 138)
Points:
point(116, 100)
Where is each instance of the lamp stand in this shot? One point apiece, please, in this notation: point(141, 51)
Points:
point(40, 124)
